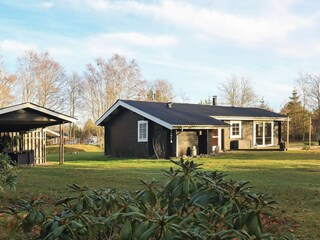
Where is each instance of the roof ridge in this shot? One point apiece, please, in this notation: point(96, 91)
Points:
point(197, 104)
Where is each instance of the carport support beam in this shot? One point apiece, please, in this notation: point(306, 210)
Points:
point(288, 132)
point(61, 145)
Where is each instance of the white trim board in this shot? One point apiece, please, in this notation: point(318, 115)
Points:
point(250, 118)
point(135, 110)
point(199, 127)
point(47, 130)
point(39, 109)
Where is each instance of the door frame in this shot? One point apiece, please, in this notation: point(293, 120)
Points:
point(219, 138)
point(263, 133)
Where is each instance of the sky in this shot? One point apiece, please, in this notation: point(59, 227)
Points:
point(195, 45)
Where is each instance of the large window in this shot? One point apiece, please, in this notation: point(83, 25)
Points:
point(263, 133)
point(142, 131)
point(235, 130)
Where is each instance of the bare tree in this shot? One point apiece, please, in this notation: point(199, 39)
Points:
point(107, 81)
point(160, 91)
point(315, 102)
point(303, 82)
point(309, 86)
point(314, 92)
point(6, 83)
point(74, 91)
point(26, 76)
point(124, 78)
point(41, 79)
point(238, 91)
point(183, 96)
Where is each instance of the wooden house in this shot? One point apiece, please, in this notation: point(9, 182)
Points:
point(147, 129)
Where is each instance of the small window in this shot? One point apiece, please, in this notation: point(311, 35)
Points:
point(235, 130)
point(142, 131)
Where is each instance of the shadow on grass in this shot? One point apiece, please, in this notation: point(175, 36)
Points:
point(269, 155)
point(98, 157)
point(238, 155)
point(294, 186)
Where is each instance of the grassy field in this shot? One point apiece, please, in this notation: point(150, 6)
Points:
point(74, 148)
point(293, 178)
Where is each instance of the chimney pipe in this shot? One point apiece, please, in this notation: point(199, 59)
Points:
point(214, 100)
point(169, 104)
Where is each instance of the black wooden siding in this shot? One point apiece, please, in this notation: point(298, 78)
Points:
point(121, 137)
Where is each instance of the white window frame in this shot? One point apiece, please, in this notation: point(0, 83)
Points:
point(146, 138)
point(263, 134)
point(240, 129)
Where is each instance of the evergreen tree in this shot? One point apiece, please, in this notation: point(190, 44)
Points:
point(295, 111)
point(264, 105)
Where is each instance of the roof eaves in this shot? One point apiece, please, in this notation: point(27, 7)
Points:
point(186, 126)
point(249, 118)
point(37, 108)
point(133, 109)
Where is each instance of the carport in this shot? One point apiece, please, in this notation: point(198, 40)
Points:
point(24, 124)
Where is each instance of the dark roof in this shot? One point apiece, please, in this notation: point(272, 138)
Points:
point(197, 114)
point(27, 116)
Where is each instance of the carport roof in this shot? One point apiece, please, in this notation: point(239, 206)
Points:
point(27, 116)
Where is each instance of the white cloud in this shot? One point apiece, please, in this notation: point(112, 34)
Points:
point(274, 25)
point(75, 52)
point(15, 47)
point(133, 38)
point(45, 5)
point(97, 4)
point(307, 50)
point(214, 73)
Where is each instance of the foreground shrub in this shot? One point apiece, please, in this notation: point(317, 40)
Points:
point(8, 173)
point(192, 205)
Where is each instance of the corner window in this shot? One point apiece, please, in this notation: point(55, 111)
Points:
point(142, 131)
point(235, 129)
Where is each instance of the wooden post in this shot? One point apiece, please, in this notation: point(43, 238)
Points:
point(44, 146)
point(61, 146)
point(288, 128)
point(279, 133)
point(310, 126)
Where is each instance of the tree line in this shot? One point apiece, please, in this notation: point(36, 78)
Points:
point(40, 79)
point(302, 107)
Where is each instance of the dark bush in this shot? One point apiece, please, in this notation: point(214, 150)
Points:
point(8, 173)
point(192, 205)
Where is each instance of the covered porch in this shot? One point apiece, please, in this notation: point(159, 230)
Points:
point(192, 141)
point(22, 132)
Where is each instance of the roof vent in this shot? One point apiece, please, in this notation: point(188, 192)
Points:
point(169, 104)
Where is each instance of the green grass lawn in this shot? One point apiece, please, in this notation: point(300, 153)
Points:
point(293, 178)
